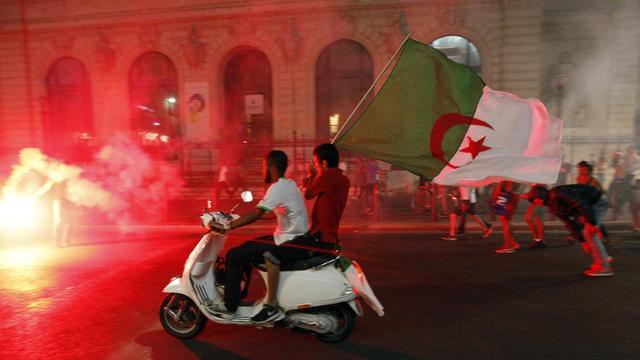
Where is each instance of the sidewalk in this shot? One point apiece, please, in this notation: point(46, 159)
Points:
point(394, 215)
point(414, 225)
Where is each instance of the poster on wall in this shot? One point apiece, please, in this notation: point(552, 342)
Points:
point(197, 126)
point(254, 104)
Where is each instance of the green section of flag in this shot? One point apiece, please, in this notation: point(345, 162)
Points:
point(344, 262)
point(396, 126)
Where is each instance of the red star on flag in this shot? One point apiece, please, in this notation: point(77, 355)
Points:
point(475, 147)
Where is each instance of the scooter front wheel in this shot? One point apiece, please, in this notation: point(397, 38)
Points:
point(180, 317)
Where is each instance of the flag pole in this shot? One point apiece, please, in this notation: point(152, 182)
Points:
point(370, 88)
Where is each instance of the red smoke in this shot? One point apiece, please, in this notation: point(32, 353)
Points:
point(140, 184)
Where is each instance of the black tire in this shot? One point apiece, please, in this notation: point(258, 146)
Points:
point(346, 320)
point(191, 322)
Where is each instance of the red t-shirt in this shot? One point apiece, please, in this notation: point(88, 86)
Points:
point(332, 190)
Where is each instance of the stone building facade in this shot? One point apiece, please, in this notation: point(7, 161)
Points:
point(580, 57)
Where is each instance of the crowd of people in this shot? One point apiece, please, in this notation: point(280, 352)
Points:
point(581, 205)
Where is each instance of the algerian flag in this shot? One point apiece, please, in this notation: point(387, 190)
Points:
point(438, 119)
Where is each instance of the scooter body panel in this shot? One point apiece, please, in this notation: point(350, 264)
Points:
point(175, 287)
point(323, 286)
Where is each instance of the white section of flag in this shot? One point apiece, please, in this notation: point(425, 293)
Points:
point(525, 144)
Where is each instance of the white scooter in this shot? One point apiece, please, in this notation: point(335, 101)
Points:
point(319, 295)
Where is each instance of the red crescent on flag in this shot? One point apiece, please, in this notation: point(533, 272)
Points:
point(440, 128)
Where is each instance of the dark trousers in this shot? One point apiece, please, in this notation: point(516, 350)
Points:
point(241, 258)
point(466, 207)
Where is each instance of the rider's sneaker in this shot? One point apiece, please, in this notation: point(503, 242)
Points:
point(267, 314)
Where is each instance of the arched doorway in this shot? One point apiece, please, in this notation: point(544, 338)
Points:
point(153, 85)
point(460, 50)
point(68, 123)
point(248, 94)
point(344, 73)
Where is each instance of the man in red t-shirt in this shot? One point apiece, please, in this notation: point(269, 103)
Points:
point(326, 182)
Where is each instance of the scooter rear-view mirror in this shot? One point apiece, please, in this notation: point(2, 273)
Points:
point(247, 196)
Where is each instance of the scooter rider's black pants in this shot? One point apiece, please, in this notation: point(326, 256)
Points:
point(243, 257)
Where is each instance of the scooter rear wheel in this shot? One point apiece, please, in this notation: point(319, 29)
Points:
point(346, 320)
point(186, 324)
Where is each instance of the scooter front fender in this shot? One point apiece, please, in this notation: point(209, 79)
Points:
point(175, 287)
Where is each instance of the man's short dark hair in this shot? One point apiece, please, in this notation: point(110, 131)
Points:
point(586, 164)
point(279, 159)
point(329, 153)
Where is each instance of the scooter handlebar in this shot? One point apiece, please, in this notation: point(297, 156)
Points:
point(217, 216)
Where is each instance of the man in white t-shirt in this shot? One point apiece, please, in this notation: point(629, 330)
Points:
point(285, 200)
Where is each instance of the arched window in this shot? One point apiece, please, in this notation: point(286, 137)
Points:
point(344, 72)
point(460, 50)
point(247, 91)
point(69, 117)
point(153, 84)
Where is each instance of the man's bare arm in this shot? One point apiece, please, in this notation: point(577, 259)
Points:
point(247, 218)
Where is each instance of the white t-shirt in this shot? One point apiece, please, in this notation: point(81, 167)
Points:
point(284, 198)
point(468, 193)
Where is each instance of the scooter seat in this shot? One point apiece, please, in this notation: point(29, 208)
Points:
point(305, 264)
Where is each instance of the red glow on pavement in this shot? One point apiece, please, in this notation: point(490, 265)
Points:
point(22, 258)
point(24, 281)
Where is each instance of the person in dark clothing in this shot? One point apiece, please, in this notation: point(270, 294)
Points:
point(582, 209)
point(585, 177)
point(465, 205)
point(534, 218)
point(331, 188)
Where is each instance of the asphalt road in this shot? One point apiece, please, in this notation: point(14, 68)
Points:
point(99, 299)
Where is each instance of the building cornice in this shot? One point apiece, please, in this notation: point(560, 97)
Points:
point(219, 11)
